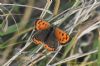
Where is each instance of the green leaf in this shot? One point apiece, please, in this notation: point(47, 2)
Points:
point(11, 29)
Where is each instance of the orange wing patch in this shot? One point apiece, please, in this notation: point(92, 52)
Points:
point(36, 41)
point(41, 25)
point(61, 36)
point(49, 48)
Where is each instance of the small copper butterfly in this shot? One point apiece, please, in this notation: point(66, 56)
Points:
point(51, 36)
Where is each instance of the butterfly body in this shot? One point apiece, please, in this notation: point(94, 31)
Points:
point(50, 36)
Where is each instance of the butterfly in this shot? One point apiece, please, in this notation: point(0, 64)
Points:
point(49, 35)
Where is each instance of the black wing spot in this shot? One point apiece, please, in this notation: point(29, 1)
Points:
point(60, 39)
point(66, 38)
point(62, 34)
point(42, 23)
point(59, 32)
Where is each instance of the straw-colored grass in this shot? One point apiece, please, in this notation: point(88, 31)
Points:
point(79, 18)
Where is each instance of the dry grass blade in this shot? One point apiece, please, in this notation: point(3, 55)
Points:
point(59, 48)
point(56, 8)
point(45, 8)
point(74, 57)
point(17, 54)
point(5, 22)
point(78, 19)
point(27, 6)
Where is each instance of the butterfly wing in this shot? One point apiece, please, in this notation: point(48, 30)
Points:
point(61, 36)
point(41, 24)
point(40, 36)
point(51, 42)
